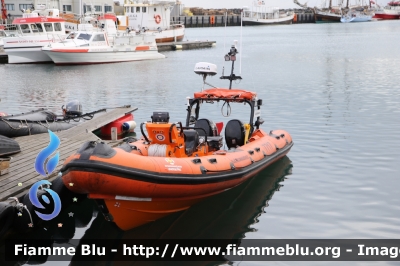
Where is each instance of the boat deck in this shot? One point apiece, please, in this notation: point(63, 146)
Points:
point(22, 173)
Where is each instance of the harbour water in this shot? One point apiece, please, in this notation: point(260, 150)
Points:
point(334, 87)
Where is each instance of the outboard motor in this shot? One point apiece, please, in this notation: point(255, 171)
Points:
point(73, 108)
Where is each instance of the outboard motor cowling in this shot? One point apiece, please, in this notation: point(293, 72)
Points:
point(73, 108)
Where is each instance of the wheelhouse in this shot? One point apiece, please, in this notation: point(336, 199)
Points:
point(35, 23)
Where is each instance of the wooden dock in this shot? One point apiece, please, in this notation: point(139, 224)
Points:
point(184, 45)
point(22, 174)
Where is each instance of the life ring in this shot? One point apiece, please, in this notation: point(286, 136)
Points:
point(212, 20)
point(157, 18)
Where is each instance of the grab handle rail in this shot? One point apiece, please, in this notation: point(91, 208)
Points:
point(143, 134)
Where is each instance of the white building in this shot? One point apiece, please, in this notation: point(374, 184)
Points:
point(14, 7)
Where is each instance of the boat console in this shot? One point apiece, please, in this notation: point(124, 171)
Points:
point(166, 139)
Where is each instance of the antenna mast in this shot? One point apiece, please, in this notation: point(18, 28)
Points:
point(231, 56)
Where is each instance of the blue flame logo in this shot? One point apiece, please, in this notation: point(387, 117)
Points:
point(45, 153)
point(40, 168)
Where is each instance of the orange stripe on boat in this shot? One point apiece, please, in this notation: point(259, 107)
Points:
point(142, 48)
point(70, 51)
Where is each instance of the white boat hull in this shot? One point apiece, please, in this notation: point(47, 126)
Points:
point(101, 57)
point(28, 49)
point(269, 21)
point(26, 55)
point(169, 35)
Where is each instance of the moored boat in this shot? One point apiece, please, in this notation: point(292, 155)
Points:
point(34, 29)
point(102, 45)
point(260, 14)
point(41, 120)
point(391, 11)
point(31, 123)
point(152, 18)
point(174, 166)
point(356, 16)
point(327, 16)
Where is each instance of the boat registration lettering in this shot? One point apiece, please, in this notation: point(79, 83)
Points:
point(176, 168)
point(98, 49)
point(171, 166)
point(27, 41)
point(241, 159)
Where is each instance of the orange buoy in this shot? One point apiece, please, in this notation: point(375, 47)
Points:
point(157, 18)
point(212, 20)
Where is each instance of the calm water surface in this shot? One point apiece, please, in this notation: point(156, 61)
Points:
point(334, 87)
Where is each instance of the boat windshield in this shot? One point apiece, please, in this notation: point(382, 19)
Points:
point(84, 36)
point(72, 35)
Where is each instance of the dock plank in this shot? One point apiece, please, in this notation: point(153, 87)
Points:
point(22, 164)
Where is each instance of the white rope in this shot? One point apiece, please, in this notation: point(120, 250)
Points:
point(158, 150)
point(19, 206)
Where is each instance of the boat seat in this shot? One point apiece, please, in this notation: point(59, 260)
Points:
point(209, 127)
point(191, 141)
point(214, 143)
point(234, 133)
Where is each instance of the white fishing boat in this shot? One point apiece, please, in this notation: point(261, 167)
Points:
point(103, 45)
point(260, 14)
point(34, 29)
point(152, 18)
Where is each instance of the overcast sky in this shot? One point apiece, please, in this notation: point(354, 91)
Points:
point(278, 3)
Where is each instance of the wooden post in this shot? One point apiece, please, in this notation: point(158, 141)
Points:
point(113, 133)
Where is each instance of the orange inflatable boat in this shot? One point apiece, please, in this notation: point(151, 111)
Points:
point(173, 166)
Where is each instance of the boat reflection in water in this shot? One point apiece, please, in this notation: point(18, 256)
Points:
point(228, 215)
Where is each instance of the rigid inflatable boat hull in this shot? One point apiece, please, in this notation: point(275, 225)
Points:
point(131, 195)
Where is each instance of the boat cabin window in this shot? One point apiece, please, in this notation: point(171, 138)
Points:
point(138, 9)
point(132, 9)
point(108, 8)
point(34, 28)
point(144, 9)
point(99, 38)
point(57, 27)
point(48, 27)
point(25, 28)
point(155, 9)
point(84, 36)
point(39, 27)
point(98, 8)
